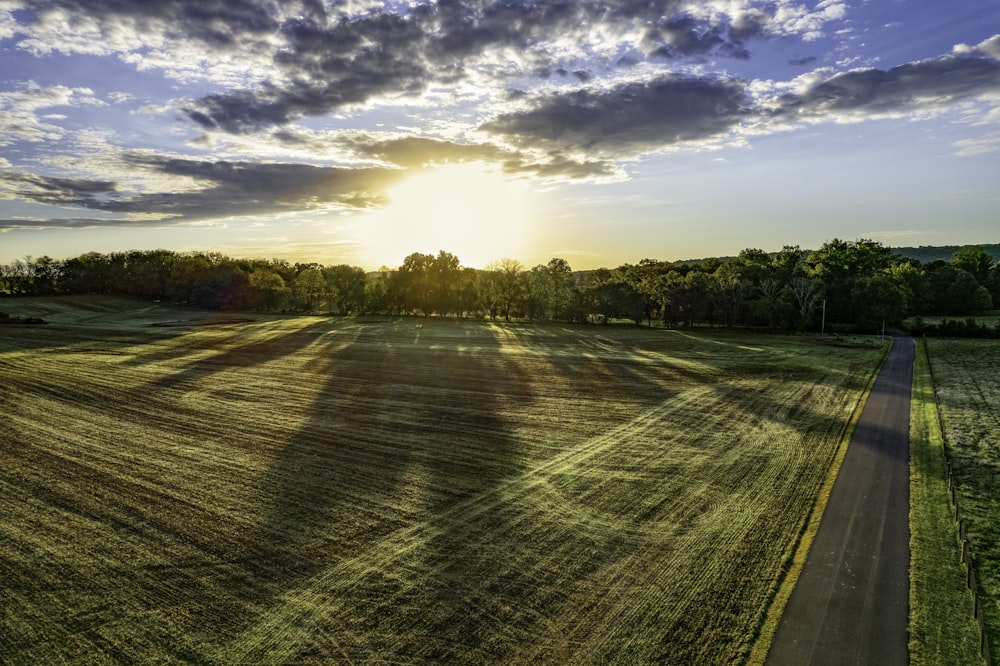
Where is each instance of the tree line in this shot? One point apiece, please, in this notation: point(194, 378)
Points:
point(844, 284)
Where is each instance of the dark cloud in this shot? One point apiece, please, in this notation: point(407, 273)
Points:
point(227, 189)
point(925, 84)
point(685, 36)
point(559, 166)
point(420, 151)
point(353, 60)
point(802, 62)
point(631, 117)
point(7, 224)
point(56, 191)
point(221, 24)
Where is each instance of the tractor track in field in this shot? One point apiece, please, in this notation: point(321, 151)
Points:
point(415, 491)
point(395, 546)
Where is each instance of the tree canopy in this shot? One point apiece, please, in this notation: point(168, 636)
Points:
point(860, 284)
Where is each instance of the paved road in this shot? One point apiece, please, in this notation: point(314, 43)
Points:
point(851, 602)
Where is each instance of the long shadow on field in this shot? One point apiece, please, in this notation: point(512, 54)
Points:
point(367, 537)
point(239, 351)
point(584, 357)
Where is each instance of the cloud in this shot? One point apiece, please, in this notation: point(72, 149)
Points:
point(802, 62)
point(225, 189)
point(914, 87)
point(283, 61)
point(989, 48)
point(19, 111)
point(350, 63)
point(54, 190)
point(980, 145)
point(627, 118)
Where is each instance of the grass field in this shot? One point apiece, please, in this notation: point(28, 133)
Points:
point(942, 627)
point(967, 380)
point(178, 487)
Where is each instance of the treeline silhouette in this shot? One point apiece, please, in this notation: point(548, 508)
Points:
point(843, 285)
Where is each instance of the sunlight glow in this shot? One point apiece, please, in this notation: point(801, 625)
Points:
point(476, 213)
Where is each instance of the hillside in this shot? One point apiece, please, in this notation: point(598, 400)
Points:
point(925, 254)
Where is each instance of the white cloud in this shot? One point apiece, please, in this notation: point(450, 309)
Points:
point(988, 47)
point(979, 145)
point(19, 117)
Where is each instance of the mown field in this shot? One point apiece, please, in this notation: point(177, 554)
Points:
point(403, 490)
point(967, 382)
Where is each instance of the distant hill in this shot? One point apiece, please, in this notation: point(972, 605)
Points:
point(925, 254)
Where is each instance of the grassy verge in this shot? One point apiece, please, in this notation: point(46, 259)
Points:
point(942, 628)
point(799, 551)
point(967, 386)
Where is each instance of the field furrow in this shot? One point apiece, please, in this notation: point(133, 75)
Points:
point(404, 491)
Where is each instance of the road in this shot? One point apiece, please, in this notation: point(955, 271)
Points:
point(851, 602)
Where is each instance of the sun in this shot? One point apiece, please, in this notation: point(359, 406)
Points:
point(468, 209)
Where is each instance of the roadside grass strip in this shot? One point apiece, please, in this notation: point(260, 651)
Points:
point(966, 375)
point(313, 490)
point(942, 625)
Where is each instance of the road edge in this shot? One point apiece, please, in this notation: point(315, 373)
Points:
point(791, 568)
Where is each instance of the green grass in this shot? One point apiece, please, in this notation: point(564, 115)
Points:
point(942, 628)
point(967, 382)
point(403, 490)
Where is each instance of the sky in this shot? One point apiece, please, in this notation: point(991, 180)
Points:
point(358, 132)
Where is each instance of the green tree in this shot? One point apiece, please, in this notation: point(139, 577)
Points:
point(309, 287)
point(557, 288)
point(838, 264)
point(268, 289)
point(444, 272)
point(880, 299)
point(501, 287)
point(345, 288)
point(974, 260)
point(413, 282)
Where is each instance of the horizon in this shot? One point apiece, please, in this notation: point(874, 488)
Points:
point(361, 133)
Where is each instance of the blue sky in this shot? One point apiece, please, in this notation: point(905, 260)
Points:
point(602, 132)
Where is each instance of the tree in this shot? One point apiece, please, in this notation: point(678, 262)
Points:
point(309, 287)
point(444, 270)
point(974, 260)
point(377, 293)
point(557, 286)
point(413, 282)
point(806, 294)
point(267, 289)
point(880, 300)
point(956, 291)
point(501, 287)
point(345, 288)
point(613, 295)
point(838, 264)
point(670, 291)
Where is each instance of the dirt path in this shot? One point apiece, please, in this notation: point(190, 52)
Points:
point(850, 605)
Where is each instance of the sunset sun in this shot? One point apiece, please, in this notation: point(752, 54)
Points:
point(475, 213)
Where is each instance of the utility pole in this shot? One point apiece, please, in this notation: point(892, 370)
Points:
point(822, 326)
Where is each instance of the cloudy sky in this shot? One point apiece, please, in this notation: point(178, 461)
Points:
point(350, 131)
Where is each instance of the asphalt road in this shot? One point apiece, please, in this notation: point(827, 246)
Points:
point(851, 602)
